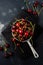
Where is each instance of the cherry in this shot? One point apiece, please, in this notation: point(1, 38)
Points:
point(20, 31)
point(13, 30)
point(42, 4)
point(13, 39)
point(18, 45)
point(17, 24)
point(1, 48)
point(29, 10)
point(28, 24)
point(7, 45)
point(20, 35)
point(20, 27)
point(36, 4)
point(35, 13)
point(17, 30)
point(13, 26)
point(26, 33)
point(23, 20)
point(24, 27)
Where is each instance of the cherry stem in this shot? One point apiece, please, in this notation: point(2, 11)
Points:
point(40, 11)
point(5, 49)
point(21, 50)
point(15, 46)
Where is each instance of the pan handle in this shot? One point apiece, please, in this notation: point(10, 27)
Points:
point(33, 50)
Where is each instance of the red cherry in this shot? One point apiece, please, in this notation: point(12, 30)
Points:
point(29, 10)
point(23, 20)
point(17, 30)
point(28, 24)
point(42, 4)
point(36, 4)
point(7, 45)
point(35, 13)
point(20, 28)
point(17, 24)
point(26, 33)
point(13, 26)
point(13, 39)
point(18, 45)
point(13, 30)
point(20, 31)
point(1, 48)
point(20, 35)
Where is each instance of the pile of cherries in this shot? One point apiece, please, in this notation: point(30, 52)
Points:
point(22, 30)
point(5, 49)
point(35, 5)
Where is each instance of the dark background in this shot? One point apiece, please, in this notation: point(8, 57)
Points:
point(8, 9)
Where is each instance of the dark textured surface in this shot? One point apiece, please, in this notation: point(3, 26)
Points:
point(27, 56)
point(5, 5)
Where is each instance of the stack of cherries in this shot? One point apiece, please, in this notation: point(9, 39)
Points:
point(22, 30)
